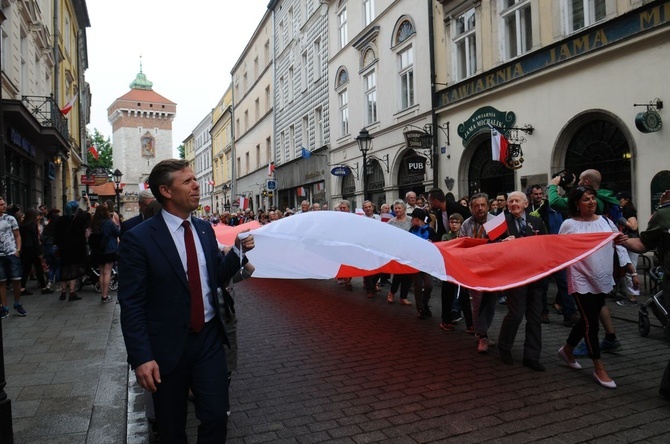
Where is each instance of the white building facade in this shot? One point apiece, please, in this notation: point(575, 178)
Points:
point(574, 71)
point(380, 81)
point(301, 111)
point(253, 101)
point(202, 145)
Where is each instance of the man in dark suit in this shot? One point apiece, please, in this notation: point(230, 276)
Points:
point(170, 315)
point(442, 209)
point(144, 199)
point(527, 299)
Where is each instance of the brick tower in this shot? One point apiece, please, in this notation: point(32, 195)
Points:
point(141, 123)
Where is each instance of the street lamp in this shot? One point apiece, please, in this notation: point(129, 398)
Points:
point(117, 187)
point(364, 140)
point(226, 204)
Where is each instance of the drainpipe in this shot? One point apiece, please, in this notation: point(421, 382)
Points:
point(431, 50)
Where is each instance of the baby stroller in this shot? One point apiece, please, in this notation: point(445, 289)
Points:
point(656, 305)
point(91, 277)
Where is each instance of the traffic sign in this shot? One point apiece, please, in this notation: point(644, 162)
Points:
point(272, 184)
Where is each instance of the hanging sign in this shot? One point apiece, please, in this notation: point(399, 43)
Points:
point(341, 170)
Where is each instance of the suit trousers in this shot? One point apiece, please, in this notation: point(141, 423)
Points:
point(483, 310)
point(523, 301)
point(202, 368)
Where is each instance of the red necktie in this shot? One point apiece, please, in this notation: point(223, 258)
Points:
point(193, 272)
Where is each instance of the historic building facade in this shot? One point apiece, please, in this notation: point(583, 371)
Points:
point(221, 151)
point(301, 111)
point(573, 84)
point(141, 123)
point(380, 82)
point(45, 100)
point(252, 83)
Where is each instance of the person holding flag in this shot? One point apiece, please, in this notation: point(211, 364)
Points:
point(483, 225)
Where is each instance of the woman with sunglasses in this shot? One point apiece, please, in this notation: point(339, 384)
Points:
point(590, 279)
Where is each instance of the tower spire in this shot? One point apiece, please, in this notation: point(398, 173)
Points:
point(141, 81)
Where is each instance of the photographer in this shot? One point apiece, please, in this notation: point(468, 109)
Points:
point(588, 177)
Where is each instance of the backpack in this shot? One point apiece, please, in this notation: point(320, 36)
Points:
point(555, 219)
point(614, 213)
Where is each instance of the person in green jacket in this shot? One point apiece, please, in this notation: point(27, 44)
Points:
point(588, 177)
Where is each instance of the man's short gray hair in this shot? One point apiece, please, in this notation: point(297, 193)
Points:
point(146, 195)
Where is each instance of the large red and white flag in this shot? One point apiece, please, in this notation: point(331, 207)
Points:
point(244, 203)
point(499, 145)
point(211, 182)
point(271, 168)
point(68, 106)
point(333, 244)
point(93, 151)
point(496, 227)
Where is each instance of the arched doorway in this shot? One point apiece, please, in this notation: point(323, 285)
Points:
point(600, 144)
point(486, 175)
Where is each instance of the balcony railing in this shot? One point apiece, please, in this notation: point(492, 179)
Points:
point(47, 113)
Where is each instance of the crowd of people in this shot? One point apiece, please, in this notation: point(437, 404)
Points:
point(56, 249)
point(581, 207)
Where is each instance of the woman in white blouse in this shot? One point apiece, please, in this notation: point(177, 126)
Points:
point(590, 279)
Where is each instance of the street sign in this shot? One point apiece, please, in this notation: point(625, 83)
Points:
point(92, 197)
point(87, 180)
point(272, 184)
point(341, 170)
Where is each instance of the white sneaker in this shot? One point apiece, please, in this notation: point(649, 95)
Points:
point(483, 345)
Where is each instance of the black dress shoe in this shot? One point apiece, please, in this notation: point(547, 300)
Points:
point(506, 357)
point(534, 365)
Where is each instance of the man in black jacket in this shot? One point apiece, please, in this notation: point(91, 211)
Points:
point(442, 209)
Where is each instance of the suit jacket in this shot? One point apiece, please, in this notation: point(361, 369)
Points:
point(452, 207)
point(154, 293)
point(131, 223)
point(534, 225)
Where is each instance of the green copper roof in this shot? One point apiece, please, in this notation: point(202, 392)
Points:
point(141, 81)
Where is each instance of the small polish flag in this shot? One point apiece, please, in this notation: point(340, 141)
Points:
point(359, 212)
point(93, 151)
point(143, 186)
point(386, 217)
point(68, 106)
point(271, 168)
point(496, 227)
point(211, 182)
point(244, 203)
point(499, 144)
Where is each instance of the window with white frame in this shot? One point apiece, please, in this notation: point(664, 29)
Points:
point(290, 84)
point(304, 132)
point(518, 27)
point(583, 13)
point(342, 79)
point(466, 44)
point(344, 112)
point(280, 147)
point(280, 36)
point(342, 26)
point(406, 73)
point(290, 25)
point(281, 92)
point(303, 71)
point(291, 140)
point(316, 60)
point(368, 11)
point(370, 85)
point(318, 127)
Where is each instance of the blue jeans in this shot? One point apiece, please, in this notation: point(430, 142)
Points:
point(10, 268)
point(53, 261)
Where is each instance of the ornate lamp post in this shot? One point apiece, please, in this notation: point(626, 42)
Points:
point(117, 187)
point(364, 140)
point(226, 204)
